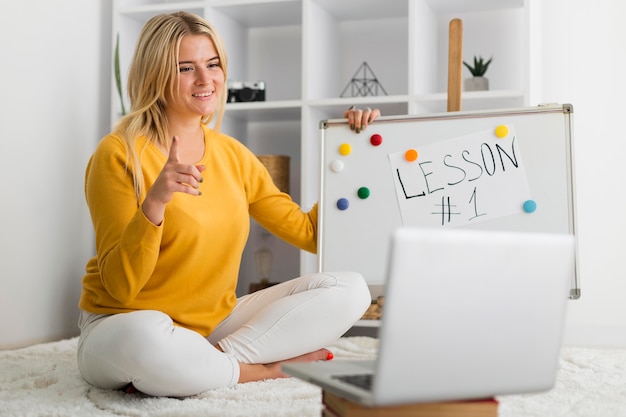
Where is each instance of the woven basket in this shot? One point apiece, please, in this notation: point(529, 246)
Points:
point(278, 167)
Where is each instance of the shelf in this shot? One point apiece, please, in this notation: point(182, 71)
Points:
point(309, 53)
point(263, 39)
point(290, 110)
point(497, 33)
point(251, 14)
point(464, 6)
point(147, 10)
point(265, 111)
point(470, 100)
point(367, 9)
point(334, 57)
point(388, 105)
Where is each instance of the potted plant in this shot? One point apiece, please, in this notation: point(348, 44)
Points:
point(118, 75)
point(478, 81)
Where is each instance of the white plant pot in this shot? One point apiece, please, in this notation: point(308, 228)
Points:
point(476, 84)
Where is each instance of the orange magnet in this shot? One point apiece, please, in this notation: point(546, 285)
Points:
point(411, 155)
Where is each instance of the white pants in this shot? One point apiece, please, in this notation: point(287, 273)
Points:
point(277, 323)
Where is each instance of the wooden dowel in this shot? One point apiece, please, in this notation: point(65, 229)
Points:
point(455, 64)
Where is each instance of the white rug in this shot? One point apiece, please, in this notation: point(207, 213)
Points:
point(43, 381)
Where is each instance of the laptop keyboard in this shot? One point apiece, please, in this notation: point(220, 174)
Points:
point(364, 381)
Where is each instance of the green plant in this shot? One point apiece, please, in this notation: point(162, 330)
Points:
point(480, 66)
point(118, 76)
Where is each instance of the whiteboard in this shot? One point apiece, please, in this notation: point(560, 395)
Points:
point(506, 169)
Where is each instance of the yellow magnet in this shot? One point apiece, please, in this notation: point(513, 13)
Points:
point(345, 149)
point(502, 131)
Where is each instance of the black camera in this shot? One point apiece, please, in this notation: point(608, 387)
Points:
point(241, 91)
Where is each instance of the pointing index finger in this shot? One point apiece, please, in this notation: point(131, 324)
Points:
point(173, 155)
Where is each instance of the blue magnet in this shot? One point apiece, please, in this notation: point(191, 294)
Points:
point(530, 206)
point(342, 204)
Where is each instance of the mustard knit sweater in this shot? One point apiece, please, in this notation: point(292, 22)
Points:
point(188, 266)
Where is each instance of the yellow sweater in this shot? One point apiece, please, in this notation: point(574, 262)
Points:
point(188, 266)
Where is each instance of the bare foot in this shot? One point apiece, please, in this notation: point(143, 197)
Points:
point(318, 355)
point(258, 372)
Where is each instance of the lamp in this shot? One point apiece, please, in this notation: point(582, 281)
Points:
point(264, 259)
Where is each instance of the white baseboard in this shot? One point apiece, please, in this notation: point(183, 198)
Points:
point(594, 336)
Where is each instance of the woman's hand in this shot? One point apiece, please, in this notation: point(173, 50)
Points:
point(175, 177)
point(358, 119)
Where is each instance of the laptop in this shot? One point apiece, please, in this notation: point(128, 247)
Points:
point(468, 314)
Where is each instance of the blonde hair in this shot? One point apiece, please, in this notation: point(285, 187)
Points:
point(153, 69)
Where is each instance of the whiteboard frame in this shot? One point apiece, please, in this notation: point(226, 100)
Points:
point(377, 288)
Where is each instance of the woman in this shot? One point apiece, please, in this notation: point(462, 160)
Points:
point(170, 201)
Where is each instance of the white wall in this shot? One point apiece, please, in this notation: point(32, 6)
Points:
point(54, 81)
point(53, 109)
point(584, 64)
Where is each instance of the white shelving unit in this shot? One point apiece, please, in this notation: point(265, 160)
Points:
point(307, 51)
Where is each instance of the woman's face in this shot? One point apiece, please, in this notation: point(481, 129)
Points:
point(201, 79)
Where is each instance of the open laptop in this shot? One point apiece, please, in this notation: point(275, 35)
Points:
point(468, 314)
